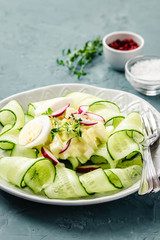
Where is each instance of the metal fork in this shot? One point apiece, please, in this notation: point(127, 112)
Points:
point(149, 181)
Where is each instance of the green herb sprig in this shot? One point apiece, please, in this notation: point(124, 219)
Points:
point(78, 59)
point(73, 128)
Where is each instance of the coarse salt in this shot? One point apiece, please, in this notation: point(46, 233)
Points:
point(147, 69)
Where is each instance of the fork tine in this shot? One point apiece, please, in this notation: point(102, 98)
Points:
point(150, 181)
point(146, 124)
point(153, 122)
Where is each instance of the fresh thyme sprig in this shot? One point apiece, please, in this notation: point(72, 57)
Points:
point(73, 128)
point(78, 59)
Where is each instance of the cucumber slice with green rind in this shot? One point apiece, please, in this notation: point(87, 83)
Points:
point(19, 150)
point(8, 139)
point(12, 113)
point(40, 175)
point(74, 162)
point(66, 185)
point(7, 117)
point(128, 176)
point(13, 169)
point(114, 179)
point(31, 109)
point(133, 125)
point(12, 119)
point(119, 145)
point(101, 155)
point(108, 104)
point(135, 160)
point(108, 111)
point(96, 181)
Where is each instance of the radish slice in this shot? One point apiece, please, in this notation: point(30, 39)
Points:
point(83, 109)
point(84, 119)
point(87, 168)
point(55, 104)
point(72, 114)
point(47, 154)
point(60, 111)
point(87, 122)
point(66, 147)
point(95, 116)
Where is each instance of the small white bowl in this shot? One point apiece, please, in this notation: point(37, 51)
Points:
point(147, 86)
point(118, 58)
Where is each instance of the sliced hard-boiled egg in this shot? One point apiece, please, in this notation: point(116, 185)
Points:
point(35, 132)
point(54, 104)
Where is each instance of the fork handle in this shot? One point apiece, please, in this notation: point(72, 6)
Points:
point(150, 181)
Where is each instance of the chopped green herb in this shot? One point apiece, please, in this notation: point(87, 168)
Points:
point(78, 59)
point(54, 131)
point(71, 128)
point(48, 112)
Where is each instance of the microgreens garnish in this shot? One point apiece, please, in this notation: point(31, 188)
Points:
point(54, 131)
point(78, 59)
point(48, 112)
point(71, 128)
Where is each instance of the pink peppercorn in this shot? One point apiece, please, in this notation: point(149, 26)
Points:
point(124, 45)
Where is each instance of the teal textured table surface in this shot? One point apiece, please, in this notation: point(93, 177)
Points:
point(32, 35)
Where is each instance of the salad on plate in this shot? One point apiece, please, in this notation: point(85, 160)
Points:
point(70, 147)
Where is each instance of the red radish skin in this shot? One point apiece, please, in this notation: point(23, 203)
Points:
point(87, 122)
point(83, 109)
point(47, 154)
point(60, 111)
point(95, 116)
point(83, 119)
point(66, 147)
point(85, 169)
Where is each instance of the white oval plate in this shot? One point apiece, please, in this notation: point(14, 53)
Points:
point(127, 103)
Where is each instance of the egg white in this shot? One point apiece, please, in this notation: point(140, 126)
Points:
point(35, 132)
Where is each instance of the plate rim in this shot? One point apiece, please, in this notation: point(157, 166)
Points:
point(11, 189)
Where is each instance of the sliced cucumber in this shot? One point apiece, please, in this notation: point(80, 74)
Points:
point(114, 179)
point(13, 169)
point(31, 109)
point(28, 118)
point(120, 145)
point(133, 125)
point(135, 160)
point(102, 156)
point(96, 181)
point(36, 173)
point(12, 114)
point(40, 175)
point(127, 176)
point(5, 129)
point(12, 118)
point(4, 153)
point(107, 110)
point(66, 185)
point(106, 104)
point(81, 98)
point(22, 151)
point(74, 162)
point(9, 139)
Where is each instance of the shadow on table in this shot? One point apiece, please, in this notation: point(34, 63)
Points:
point(128, 217)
